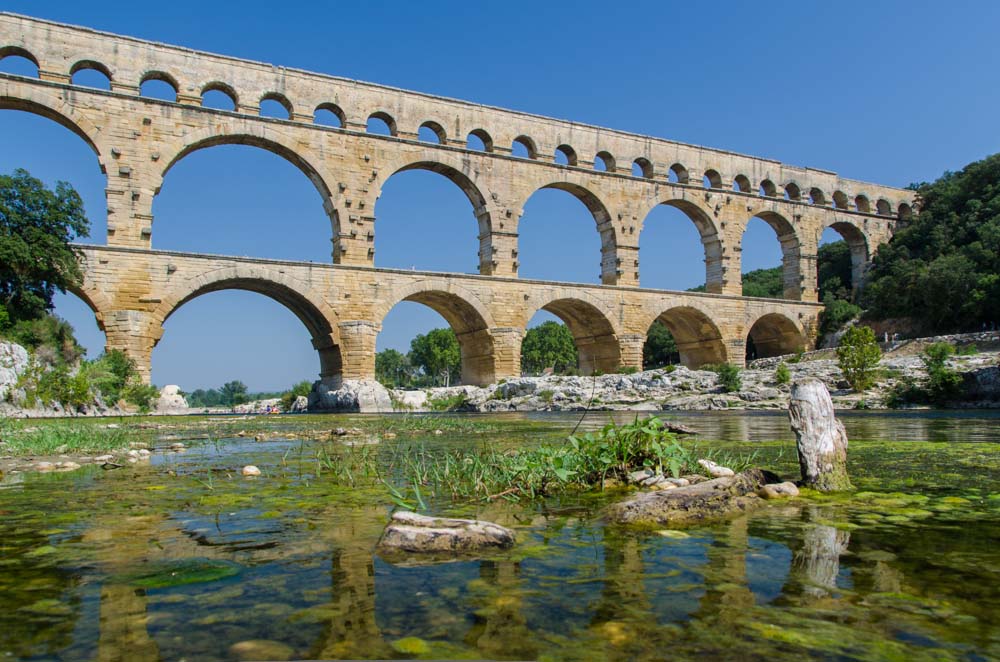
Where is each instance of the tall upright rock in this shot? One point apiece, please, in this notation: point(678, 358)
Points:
point(820, 437)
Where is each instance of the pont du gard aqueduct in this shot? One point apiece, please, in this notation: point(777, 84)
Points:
point(497, 157)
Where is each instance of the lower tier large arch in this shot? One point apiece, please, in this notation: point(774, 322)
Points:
point(774, 334)
point(699, 341)
point(596, 341)
point(466, 316)
point(309, 307)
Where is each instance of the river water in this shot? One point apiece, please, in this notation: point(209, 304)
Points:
point(182, 559)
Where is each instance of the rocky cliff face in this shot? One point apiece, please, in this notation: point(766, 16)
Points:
point(14, 361)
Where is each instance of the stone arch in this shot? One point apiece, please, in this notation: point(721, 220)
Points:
point(678, 173)
point(161, 76)
point(568, 153)
point(389, 120)
point(334, 110)
point(593, 329)
point(53, 108)
point(840, 200)
point(529, 145)
point(18, 51)
point(456, 174)
point(859, 244)
point(712, 179)
point(258, 135)
point(773, 333)
point(711, 239)
point(306, 304)
point(741, 183)
point(483, 137)
point(605, 157)
point(793, 191)
point(791, 248)
point(437, 130)
point(644, 167)
point(602, 220)
point(94, 65)
point(225, 88)
point(768, 189)
point(699, 340)
point(883, 208)
point(817, 197)
point(862, 204)
point(904, 212)
point(282, 101)
point(466, 315)
point(95, 299)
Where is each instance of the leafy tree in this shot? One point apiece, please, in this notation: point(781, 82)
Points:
point(836, 314)
point(438, 354)
point(768, 283)
point(942, 270)
point(858, 356)
point(392, 368)
point(660, 349)
point(36, 228)
point(729, 376)
point(233, 393)
point(548, 345)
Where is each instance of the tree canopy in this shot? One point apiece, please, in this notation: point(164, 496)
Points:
point(36, 228)
point(660, 349)
point(943, 269)
point(548, 345)
point(437, 353)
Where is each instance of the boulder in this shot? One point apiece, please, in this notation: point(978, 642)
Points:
point(715, 470)
point(820, 438)
point(353, 395)
point(778, 491)
point(170, 400)
point(712, 499)
point(409, 533)
point(300, 405)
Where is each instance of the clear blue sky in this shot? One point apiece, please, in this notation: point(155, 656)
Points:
point(890, 92)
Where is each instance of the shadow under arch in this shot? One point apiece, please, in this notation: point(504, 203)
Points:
point(791, 247)
point(602, 220)
point(596, 339)
point(212, 138)
point(467, 317)
point(710, 239)
point(857, 243)
point(305, 304)
point(699, 341)
point(774, 334)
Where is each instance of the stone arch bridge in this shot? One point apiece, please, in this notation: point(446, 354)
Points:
point(498, 158)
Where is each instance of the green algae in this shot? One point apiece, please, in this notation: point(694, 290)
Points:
point(195, 571)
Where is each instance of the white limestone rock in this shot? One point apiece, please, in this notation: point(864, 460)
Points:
point(171, 400)
point(354, 395)
point(14, 360)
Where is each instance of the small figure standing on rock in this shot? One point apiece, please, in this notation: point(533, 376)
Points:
point(820, 437)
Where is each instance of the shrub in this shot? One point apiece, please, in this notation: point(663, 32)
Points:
point(943, 383)
point(627, 370)
point(449, 403)
point(782, 375)
point(836, 314)
point(546, 396)
point(140, 395)
point(288, 397)
point(729, 376)
point(859, 356)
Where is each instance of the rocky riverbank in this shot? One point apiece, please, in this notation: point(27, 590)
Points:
point(678, 388)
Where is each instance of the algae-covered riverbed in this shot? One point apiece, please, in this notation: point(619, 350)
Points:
point(183, 558)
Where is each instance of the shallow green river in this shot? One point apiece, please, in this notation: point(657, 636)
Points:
point(183, 559)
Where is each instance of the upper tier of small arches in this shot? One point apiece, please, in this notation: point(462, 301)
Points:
point(295, 97)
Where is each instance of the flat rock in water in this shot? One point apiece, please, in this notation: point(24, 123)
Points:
point(691, 504)
point(410, 533)
point(677, 428)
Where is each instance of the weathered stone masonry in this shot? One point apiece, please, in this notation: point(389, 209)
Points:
point(133, 289)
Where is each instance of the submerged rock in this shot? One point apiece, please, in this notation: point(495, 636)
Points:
point(261, 649)
point(410, 533)
point(820, 438)
point(251, 470)
point(711, 499)
point(778, 491)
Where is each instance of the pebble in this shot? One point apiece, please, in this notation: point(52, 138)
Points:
point(178, 446)
point(641, 475)
point(389, 435)
point(338, 432)
point(45, 466)
point(67, 466)
point(438, 431)
point(716, 470)
point(103, 458)
point(679, 482)
point(251, 470)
